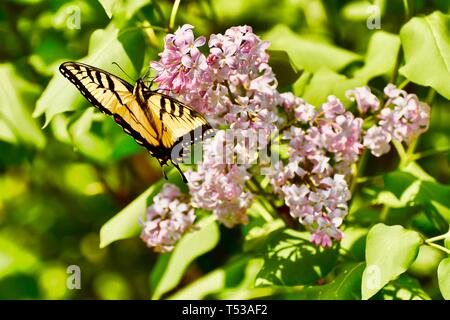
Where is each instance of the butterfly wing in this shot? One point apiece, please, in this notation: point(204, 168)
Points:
point(156, 121)
point(115, 97)
point(179, 121)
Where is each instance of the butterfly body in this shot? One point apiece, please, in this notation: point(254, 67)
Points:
point(156, 121)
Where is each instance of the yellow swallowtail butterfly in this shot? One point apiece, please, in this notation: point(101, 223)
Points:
point(155, 120)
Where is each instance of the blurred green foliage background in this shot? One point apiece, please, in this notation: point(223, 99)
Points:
point(59, 183)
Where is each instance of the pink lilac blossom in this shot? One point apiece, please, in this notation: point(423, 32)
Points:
point(181, 63)
point(320, 156)
point(233, 85)
point(219, 185)
point(403, 119)
point(321, 209)
point(409, 117)
point(365, 99)
point(168, 218)
point(377, 140)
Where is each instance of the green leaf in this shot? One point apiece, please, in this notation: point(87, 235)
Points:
point(403, 288)
point(105, 47)
point(300, 85)
point(108, 6)
point(380, 60)
point(87, 143)
point(17, 96)
point(283, 67)
point(215, 281)
point(426, 44)
point(444, 278)
point(122, 10)
point(256, 237)
point(287, 252)
point(191, 246)
point(381, 56)
point(357, 11)
point(323, 83)
point(412, 186)
point(354, 242)
point(426, 262)
point(326, 82)
point(309, 54)
point(390, 250)
point(125, 224)
point(15, 259)
point(346, 286)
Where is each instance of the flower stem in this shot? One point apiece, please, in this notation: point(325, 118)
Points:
point(407, 10)
point(173, 15)
point(429, 153)
point(434, 245)
point(430, 96)
point(396, 67)
point(400, 150)
point(384, 213)
point(359, 170)
point(437, 238)
point(403, 84)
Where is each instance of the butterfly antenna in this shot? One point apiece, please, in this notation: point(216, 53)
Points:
point(115, 63)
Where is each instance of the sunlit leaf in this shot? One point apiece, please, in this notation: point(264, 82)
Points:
point(214, 281)
point(390, 250)
point(403, 288)
point(323, 83)
point(426, 262)
point(309, 54)
point(283, 67)
point(125, 224)
point(17, 98)
point(15, 259)
point(426, 43)
point(346, 286)
point(191, 246)
point(288, 251)
point(444, 278)
point(108, 5)
point(381, 56)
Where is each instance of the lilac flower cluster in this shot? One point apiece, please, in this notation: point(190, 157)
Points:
point(233, 85)
point(403, 118)
point(168, 218)
point(235, 88)
point(218, 186)
point(323, 146)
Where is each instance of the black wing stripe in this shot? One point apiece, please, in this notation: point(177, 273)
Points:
point(180, 110)
point(98, 76)
point(91, 69)
point(69, 74)
point(172, 107)
point(140, 93)
point(154, 150)
point(89, 74)
point(112, 86)
point(162, 101)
